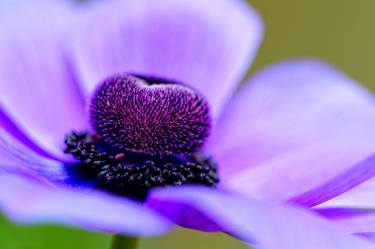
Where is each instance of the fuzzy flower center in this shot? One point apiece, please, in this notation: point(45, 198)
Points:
point(149, 115)
point(148, 132)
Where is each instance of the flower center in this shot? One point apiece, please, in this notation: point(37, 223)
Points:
point(149, 115)
point(148, 132)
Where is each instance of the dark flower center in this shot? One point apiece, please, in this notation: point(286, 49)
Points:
point(148, 132)
point(149, 115)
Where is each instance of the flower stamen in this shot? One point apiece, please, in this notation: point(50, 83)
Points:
point(134, 174)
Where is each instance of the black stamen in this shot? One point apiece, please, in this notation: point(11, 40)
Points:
point(134, 174)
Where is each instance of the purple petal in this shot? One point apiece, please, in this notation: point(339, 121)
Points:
point(90, 210)
point(37, 86)
point(352, 220)
point(296, 126)
point(265, 225)
point(19, 159)
point(338, 185)
point(360, 197)
point(204, 44)
point(354, 210)
point(7, 5)
point(9, 126)
point(369, 236)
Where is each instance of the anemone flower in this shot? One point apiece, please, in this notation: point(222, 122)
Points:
point(122, 117)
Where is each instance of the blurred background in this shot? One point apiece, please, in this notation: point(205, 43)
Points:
point(339, 31)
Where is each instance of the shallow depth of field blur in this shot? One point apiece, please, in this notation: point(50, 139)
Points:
point(339, 31)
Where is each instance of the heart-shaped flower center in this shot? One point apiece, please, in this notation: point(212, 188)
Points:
point(149, 115)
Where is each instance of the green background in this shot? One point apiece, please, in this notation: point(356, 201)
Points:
point(339, 31)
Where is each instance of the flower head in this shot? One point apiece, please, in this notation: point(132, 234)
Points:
point(298, 134)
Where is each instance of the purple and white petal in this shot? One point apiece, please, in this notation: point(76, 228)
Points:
point(38, 90)
point(261, 224)
point(296, 126)
point(207, 45)
point(26, 201)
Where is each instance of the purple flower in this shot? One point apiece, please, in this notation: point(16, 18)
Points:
point(294, 144)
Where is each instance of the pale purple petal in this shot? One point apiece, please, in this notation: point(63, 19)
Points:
point(207, 45)
point(360, 197)
point(354, 209)
point(8, 5)
point(368, 236)
point(340, 184)
point(351, 220)
point(37, 86)
point(26, 201)
point(265, 225)
point(296, 126)
point(11, 127)
point(17, 158)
